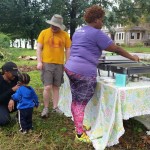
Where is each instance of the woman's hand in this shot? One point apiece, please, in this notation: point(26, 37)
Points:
point(11, 105)
point(136, 58)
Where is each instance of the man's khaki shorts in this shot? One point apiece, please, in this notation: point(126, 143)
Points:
point(52, 74)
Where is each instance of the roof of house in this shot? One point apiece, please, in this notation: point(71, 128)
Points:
point(137, 28)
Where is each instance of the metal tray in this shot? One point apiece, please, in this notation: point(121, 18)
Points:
point(129, 65)
point(130, 68)
point(106, 64)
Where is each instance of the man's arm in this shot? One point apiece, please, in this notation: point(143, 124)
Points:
point(39, 57)
point(15, 97)
point(67, 53)
point(6, 94)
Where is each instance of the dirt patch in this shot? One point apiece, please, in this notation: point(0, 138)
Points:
point(27, 68)
point(134, 138)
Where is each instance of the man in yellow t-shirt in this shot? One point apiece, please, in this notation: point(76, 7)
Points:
point(53, 48)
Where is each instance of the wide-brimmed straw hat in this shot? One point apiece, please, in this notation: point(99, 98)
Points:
point(57, 21)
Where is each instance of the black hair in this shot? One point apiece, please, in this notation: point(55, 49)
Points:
point(24, 78)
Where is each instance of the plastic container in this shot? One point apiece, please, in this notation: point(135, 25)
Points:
point(120, 80)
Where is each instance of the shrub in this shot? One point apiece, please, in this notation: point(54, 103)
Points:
point(140, 44)
point(123, 45)
point(4, 55)
point(4, 41)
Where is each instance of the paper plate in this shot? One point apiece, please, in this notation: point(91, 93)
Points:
point(109, 80)
point(104, 78)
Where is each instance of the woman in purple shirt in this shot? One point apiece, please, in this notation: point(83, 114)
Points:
point(81, 67)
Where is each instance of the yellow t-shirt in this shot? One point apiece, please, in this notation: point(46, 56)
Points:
point(54, 45)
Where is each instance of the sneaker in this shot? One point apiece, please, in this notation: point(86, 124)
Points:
point(86, 128)
point(57, 110)
point(45, 113)
point(23, 131)
point(83, 138)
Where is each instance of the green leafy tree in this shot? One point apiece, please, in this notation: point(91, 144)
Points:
point(144, 8)
point(26, 18)
point(129, 12)
point(32, 20)
point(72, 10)
point(22, 18)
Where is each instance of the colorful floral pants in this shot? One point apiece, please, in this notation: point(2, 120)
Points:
point(82, 89)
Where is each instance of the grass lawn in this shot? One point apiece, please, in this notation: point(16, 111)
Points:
point(138, 49)
point(55, 132)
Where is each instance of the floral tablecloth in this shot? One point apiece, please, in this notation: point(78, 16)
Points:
point(107, 109)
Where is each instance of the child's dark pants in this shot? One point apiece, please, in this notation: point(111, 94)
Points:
point(25, 118)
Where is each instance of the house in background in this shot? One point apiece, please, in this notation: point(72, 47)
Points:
point(22, 43)
point(122, 35)
point(130, 36)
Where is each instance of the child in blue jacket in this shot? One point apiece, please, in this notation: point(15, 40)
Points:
point(26, 100)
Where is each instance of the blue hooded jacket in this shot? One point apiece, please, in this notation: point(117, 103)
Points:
point(25, 97)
